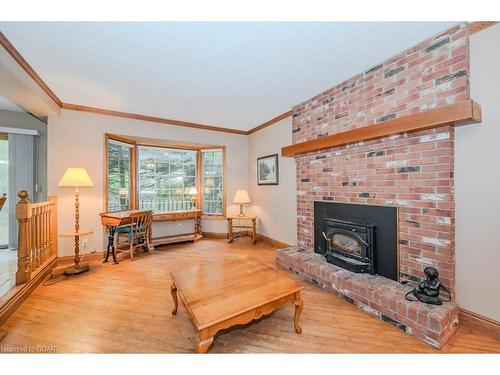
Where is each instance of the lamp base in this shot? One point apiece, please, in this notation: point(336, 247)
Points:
point(75, 270)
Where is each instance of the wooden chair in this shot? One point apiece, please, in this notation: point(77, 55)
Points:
point(138, 233)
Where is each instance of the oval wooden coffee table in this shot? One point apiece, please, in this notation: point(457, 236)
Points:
point(234, 291)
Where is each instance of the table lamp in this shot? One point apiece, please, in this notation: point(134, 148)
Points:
point(241, 198)
point(76, 178)
point(193, 192)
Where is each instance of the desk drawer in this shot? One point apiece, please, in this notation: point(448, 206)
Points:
point(164, 217)
point(184, 215)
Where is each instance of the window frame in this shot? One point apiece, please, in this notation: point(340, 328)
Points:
point(177, 149)
point(134, 170)
point(200, 195)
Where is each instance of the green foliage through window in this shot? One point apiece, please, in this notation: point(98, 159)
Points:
point(165, 177)
point(119, 163)
point(213, 174)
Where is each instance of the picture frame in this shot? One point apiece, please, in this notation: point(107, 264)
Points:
point(268, 170)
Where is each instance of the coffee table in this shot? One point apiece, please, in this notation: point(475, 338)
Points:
point(236, 290)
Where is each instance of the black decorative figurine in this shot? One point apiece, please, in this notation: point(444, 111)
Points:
point(427, 290)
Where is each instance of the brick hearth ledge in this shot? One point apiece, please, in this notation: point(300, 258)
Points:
point(376, 295)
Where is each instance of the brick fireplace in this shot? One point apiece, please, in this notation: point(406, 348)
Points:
point(410, 171)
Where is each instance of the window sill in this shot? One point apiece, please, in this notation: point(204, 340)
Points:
point(213, 217)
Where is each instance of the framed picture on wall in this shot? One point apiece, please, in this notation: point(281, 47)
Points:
point(268, 170)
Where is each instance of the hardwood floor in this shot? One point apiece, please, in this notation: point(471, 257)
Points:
point(127, 308)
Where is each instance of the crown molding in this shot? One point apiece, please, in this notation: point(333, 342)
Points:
point(23, 63)
point(477, 26)
point(28, 68)
point(270, 122)
point(160, 120)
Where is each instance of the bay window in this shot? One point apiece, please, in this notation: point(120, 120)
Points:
point(157, 176)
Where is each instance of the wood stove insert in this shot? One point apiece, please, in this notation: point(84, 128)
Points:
point(350, 244)
point(358, 237)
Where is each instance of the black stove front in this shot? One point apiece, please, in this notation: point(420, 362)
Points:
point(350, 244)
point(358, 237)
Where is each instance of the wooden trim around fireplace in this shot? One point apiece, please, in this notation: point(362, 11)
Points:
point(461, 113)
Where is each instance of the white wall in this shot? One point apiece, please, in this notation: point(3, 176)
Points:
point(477, 185)
point(77, 139)
point(275, 205)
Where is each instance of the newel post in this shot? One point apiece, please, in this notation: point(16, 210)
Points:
point(23, 216)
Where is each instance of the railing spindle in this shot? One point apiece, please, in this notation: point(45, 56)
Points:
point(37, 235)
point(32, 249)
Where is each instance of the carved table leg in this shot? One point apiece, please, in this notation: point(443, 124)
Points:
point(299, 305)
point(173, 290)
point(111, 245)
point(203, 344)
point(230, 230)
point(254, 231)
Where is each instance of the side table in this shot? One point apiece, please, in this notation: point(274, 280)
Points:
point(77, 268)
point(249, 228)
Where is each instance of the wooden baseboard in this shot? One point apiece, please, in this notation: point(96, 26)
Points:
point(18, 294)
point(272, 241)
point(260, 237)
point(215, 235)
point(483, 324)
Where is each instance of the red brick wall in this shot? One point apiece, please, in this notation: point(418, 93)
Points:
point(412, 171)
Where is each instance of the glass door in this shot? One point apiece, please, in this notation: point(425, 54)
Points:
point(4, 188)
point(8, 257)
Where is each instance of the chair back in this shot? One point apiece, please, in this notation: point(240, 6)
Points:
point(141, 222)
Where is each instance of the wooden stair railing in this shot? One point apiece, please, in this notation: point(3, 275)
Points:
point(37, 236)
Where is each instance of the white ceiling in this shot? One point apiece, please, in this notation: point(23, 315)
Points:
point(234, 75)
point(7, 105)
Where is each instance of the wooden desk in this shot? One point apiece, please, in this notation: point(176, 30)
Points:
point(176, 216)
point(237, 290)
point(113, 220)
point(253, 228)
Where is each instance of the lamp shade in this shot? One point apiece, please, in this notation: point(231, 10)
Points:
point(75, 177)
point(193, 191)
point(241, 197)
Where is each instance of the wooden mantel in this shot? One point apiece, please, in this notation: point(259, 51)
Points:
point(461, 113)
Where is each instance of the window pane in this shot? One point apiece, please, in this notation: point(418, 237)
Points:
point(165, 177)
point(118, 177)
point(213, 172)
